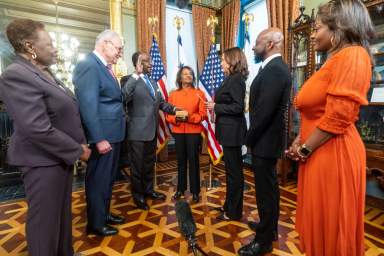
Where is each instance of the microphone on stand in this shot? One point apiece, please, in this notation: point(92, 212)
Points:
point(187, 226)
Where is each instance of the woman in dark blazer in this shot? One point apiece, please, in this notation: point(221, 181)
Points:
point(231, 128)
point(48, 137)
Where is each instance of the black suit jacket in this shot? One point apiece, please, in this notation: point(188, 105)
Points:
point(268, 103)
point(230, 122)
point(46, 119)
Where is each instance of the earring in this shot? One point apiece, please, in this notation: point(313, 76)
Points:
point(34, 56)
point(333, 41)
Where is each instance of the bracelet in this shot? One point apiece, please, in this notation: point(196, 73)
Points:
point(300, 154)
point(303, 151)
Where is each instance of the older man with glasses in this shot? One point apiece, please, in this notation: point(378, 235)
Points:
point(101, 108)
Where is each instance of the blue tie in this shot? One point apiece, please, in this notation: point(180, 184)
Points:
point(149, 85)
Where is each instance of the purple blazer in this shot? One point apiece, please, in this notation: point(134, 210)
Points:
point(45, 115)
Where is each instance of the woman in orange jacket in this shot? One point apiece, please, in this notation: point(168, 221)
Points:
point(186, 130)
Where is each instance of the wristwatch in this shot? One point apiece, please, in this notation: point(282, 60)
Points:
point(304, 151)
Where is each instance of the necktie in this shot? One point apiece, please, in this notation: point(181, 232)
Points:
point(109, 67)
point(149, 85)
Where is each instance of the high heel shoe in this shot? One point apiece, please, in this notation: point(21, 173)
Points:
point(219, 209)
point(177, 195)
point(195, 198)
point(224, 217)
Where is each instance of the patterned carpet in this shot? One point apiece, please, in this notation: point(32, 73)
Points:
point(155, 232)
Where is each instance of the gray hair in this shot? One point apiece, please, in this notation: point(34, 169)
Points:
point(106, 35)
point(349, 21)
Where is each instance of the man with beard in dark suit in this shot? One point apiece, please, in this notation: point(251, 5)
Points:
point(269, 96)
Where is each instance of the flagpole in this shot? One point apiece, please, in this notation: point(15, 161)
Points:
point(178, 49)
point(247, 18)
point(212, 22)
point(152, 21)
point(178, 22)
point(155, 175)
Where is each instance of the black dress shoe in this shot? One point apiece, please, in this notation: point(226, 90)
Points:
point(253, 225)
point(255, 249)
point(156, 195)
point(114, 219)
point(195, 198)
point(177, 195)
point(223, 217)
point(141, 204)
point(103, 231)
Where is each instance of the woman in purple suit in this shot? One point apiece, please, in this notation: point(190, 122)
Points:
point(47, 140)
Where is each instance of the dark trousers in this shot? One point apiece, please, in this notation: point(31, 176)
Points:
point(49, 220)
point(143, 158)
point(267, 197)
point(124, 160)
point(101, 173)
point(233, 205)
point(187, 151)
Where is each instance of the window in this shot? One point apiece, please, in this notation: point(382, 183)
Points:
point(187, 52)
point(259, 10)
point(260, 22)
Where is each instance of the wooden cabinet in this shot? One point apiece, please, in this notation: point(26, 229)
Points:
point(371, 121)
point(302, 63)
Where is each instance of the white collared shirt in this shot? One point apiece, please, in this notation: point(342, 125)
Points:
point(100, 58)
point(267, 60)
point(136, 76)
point(141, 75)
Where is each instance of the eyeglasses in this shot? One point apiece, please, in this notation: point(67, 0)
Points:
point(118, 49)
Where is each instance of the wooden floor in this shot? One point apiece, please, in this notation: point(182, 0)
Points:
point(155, 232)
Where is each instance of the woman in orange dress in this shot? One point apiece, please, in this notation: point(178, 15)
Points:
point(186, 131)
point(331, 183)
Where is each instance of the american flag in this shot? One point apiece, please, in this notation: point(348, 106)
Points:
point(211, 79)
point(158, 75)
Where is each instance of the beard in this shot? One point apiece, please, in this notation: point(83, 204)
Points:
point(257, 58)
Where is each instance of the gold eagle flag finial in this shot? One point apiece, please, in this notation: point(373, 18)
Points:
point(248, 19)
point(153, 21)
point(178, 22)
point(212, 22)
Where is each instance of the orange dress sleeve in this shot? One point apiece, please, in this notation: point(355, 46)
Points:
point(171, 118)
point(202, 113)
point(349, 81)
